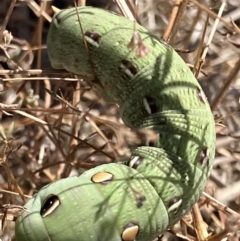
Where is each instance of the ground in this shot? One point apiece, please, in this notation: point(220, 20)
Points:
point(44, 137)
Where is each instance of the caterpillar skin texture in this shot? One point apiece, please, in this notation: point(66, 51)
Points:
point(140, 198)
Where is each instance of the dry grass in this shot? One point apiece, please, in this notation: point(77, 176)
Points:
point(54, 125)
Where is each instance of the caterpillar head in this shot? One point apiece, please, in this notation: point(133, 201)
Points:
point(45, 217)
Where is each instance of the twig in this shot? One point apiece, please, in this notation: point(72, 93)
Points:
point(225, 87)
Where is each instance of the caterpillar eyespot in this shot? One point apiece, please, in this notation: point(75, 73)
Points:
point(92, 38)
point(149, 192)
point(50, 204)
point(102, 177)
point(128, 68)
point(174, 203)
point(135, 161)
point(130, 232)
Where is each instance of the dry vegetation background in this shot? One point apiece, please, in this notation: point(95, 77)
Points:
point(52, 126)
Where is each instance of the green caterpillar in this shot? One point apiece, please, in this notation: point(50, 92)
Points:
point(140, 198)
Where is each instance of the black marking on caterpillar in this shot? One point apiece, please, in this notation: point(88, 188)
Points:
point(50, 204)
point(140, 201)
point(92, 38)
point(150, 105)
point(128, 68)
point(174, 203)
point(135, 161)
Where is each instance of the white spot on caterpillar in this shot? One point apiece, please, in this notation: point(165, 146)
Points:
point(91, 41)
point(128, 68)
point(126, 71)
point(147, 106)
point(50, 204)
point(135, 161)
point(92, 38)
point(175, 205)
